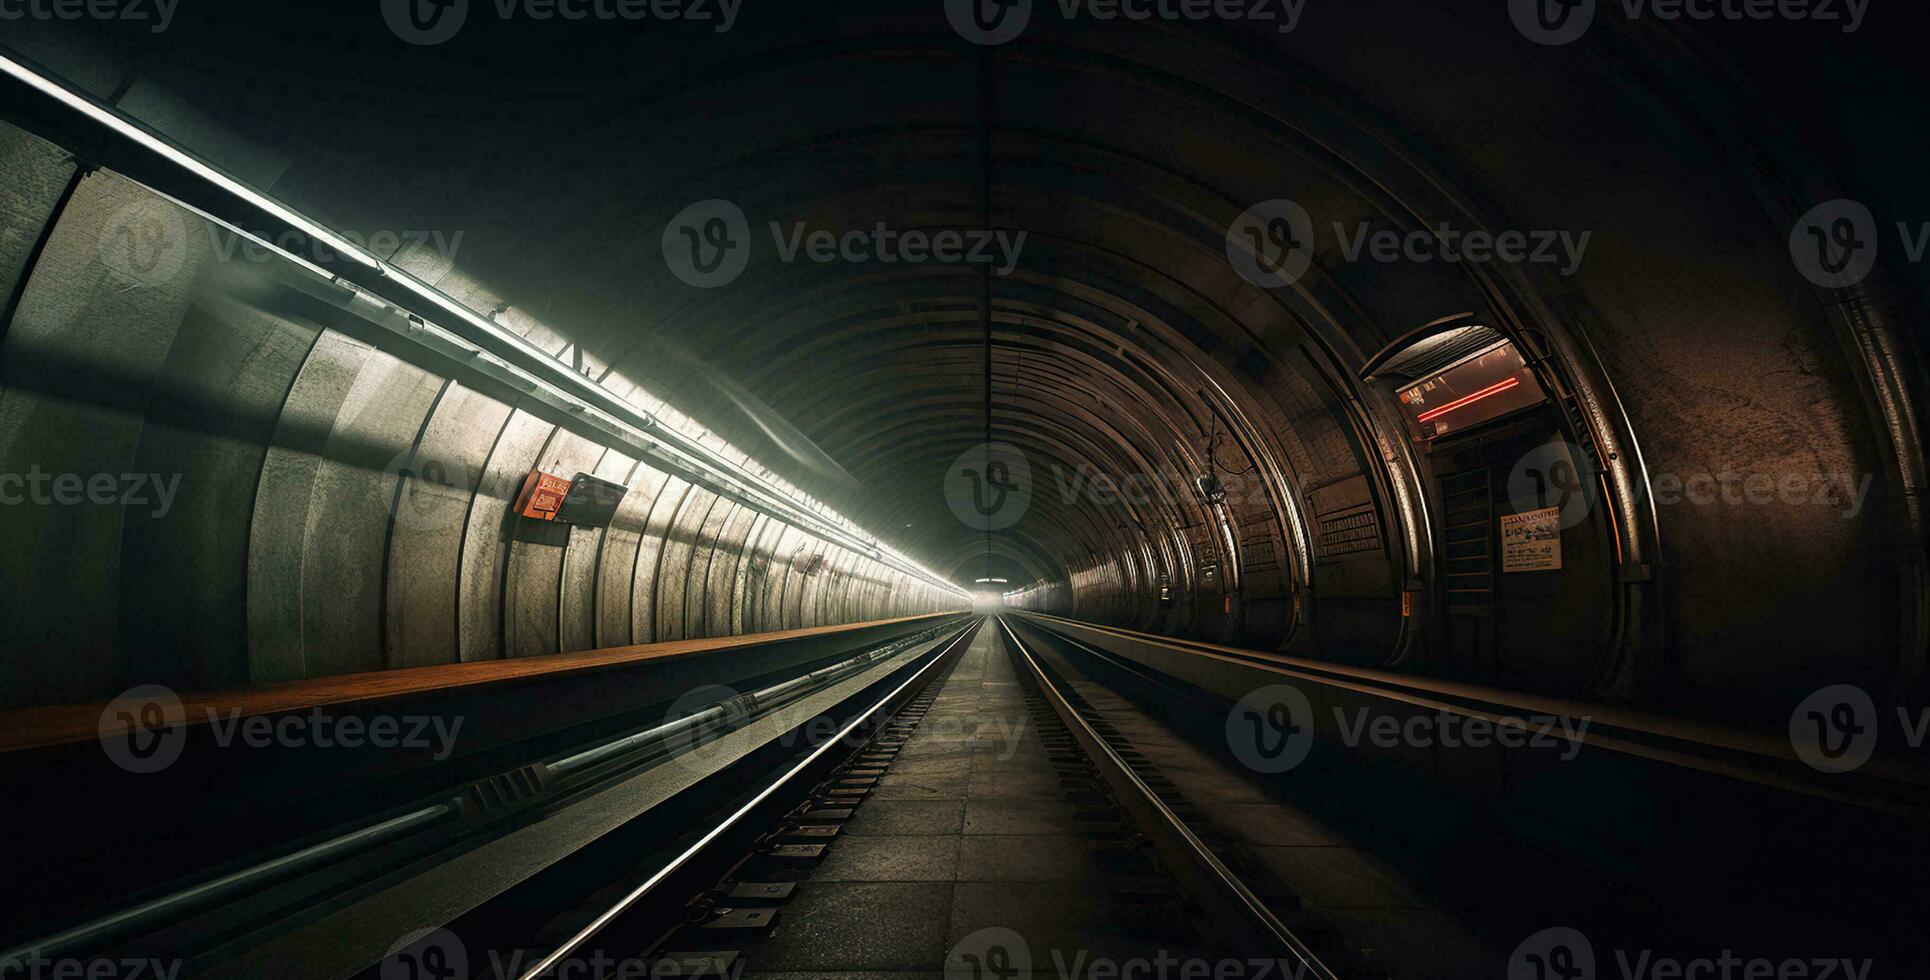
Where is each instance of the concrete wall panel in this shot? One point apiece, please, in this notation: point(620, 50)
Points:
point(439, 479)
point(617, 571)
point(82, 354)
point(280, 532)
point(643, 601)
point(485, 547)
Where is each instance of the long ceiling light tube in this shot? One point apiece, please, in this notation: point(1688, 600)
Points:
point(366, 272)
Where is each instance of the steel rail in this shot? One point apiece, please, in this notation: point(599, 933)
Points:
point(637, 894)
point(1211, 882)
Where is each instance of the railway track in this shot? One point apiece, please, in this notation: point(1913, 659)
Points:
point(921, 837)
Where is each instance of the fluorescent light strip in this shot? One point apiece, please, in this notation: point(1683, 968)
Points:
point(623, 904)
point(127, 130)
point(700, 457)
point(1466, 400)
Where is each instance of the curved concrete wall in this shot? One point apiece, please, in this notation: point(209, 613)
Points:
point(328, 507)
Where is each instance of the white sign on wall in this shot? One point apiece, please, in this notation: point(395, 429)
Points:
point(1531, 541)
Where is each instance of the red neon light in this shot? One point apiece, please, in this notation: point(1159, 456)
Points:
point(1491, 390)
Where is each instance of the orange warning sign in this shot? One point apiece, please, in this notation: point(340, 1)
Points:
point(542, 496)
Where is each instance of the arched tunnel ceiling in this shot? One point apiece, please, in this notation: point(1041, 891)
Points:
point(1121, 338)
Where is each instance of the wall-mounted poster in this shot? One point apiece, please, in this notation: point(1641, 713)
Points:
point(1531, 541)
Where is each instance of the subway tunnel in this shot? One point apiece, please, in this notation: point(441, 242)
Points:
point(964, 488)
